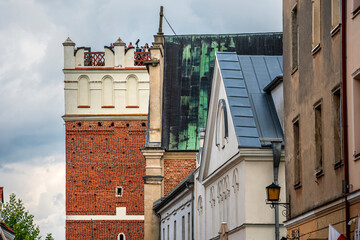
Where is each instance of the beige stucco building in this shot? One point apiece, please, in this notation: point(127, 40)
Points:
point(315, 172)
point(353, 109)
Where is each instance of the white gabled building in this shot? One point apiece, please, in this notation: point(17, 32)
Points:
point(236, 162)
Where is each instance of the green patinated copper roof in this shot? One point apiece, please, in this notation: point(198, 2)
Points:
point(189, 65)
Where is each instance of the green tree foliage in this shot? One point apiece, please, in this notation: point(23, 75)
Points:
point(49, 237)
point(21, 221)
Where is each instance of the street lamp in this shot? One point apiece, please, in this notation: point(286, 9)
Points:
point(273, 198)
point(273, 193)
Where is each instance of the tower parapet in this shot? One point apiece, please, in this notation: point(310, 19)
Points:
point(117, 55)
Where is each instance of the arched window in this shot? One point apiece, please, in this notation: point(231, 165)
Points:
point(107, 92)
point(121, 236)
point(132, 92)
point(221, 124)
point(83, 92)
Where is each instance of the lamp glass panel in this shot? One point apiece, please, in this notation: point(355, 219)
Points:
point(273, 194)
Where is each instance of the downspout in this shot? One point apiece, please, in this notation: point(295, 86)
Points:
point(344, 115)
point(276, 149)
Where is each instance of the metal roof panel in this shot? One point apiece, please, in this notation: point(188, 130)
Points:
point(252, 111)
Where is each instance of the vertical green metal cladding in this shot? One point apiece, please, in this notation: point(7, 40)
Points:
point(189, 66)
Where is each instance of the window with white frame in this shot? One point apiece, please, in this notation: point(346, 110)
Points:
point(119, 191)
point(121, 236)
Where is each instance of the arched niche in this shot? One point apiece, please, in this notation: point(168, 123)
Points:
point(107, 91)
point(83, 91)
point(235, 184)
point(132, 91)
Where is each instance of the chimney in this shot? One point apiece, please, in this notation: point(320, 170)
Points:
point(69, 58)
point(119, 47)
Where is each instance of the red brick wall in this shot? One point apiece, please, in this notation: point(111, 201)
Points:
point(104, 230)
point(100, 156)
point(175, 170)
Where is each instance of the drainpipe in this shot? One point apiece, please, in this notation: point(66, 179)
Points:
point(344, 115)
point(276, 148)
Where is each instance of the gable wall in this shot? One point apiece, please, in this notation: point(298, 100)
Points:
point(215, 156)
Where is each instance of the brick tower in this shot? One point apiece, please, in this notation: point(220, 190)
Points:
point(106, 106)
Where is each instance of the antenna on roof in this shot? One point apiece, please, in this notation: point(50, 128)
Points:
point(169, 25)
point(161, 20)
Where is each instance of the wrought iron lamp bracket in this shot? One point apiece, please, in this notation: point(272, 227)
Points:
point(285, 212)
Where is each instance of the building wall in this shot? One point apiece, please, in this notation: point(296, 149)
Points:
point(100, 159)
point(104, 229)
point(174, 213)
point(175, 170)
point(120, 79)
point(255, 193)
point(353, 92)
point(313, 80)
point(239, 201)
point(353, 110)
point(316, 222)
point(278, 96)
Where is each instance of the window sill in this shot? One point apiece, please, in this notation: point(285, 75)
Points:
point(319, 173)
point(356, 156)
point(316, 49)
point(294, 70)
point(83, 106)
point(338, 164)
point(297, 186)
point(108, 107)
point(355, 13)
point(356, 75)
point(335, 30)
point(132, 106)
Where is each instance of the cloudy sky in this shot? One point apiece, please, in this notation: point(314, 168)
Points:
point(32, 159)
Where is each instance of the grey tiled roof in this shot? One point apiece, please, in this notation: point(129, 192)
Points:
point(252, 110)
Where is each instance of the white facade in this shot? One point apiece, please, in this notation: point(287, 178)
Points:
point(176, 218)
point(230, 182)
point(117, 89)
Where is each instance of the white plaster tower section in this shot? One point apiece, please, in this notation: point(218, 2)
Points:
point(112, 87)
